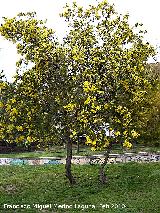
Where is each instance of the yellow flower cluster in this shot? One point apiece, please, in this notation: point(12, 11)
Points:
point(29, 139)
point(117, 133)
point(87, 87)
point(10, 128)
point(120, 109)
point(106, 106)
point(74, 133)
point(14, 112)
point(13, 100)
point(127, 144)
point(89, 100)
point(134, 134)
point(125, 133)
point(19, 128)
point(91, 142)
point(70, 107)
point(88, 140)
point(2, 85)
point(95, 108)
point(1, 104)
point(83, 120)
point(8, 107)
point(20, 138)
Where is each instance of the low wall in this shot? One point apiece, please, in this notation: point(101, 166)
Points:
point(141, 157)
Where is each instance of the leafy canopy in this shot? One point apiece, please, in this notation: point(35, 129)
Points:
point(95, 80)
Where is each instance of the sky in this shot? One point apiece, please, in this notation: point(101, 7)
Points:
point(142, 11)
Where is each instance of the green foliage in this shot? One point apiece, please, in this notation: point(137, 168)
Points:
point(94, 78)
point(150, 118)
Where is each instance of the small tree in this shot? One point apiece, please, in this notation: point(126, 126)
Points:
point(94, 78)
point(109, 59)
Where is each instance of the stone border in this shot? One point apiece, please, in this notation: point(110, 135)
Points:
point(141, 157)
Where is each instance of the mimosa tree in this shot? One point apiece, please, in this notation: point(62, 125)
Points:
point(95, 80)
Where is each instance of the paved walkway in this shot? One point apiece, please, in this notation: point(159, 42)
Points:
point(141, 157)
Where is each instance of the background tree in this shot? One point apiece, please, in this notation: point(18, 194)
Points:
point(149, 119)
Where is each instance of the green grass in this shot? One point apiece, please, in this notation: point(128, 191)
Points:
point(134, 185)
point(59, 151)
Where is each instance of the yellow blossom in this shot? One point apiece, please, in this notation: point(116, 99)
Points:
point(106, 106)
point(93, 88)
point(29, 139)
point(74, 133)
point(94, 142)
point(70, 107)
point(86, 86)
point(98, 107)
point(93, 110)
point(13, 100)
point(8, 107)
point(87, 101)
point(1, 104)
point(127, 144)
point(134, 134)
point(19, 128)
point(117, 133)
point(14, 111)
point(88, 140)
point(125, 133)
point(21, 138)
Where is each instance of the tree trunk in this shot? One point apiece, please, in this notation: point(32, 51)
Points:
point(102, 176)
point(78, 146)
point(68, 162)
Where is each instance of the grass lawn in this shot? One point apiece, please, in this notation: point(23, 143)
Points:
point(133, 188)
point(59, 151)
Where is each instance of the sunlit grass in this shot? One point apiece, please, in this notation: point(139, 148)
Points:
point(136, 186)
